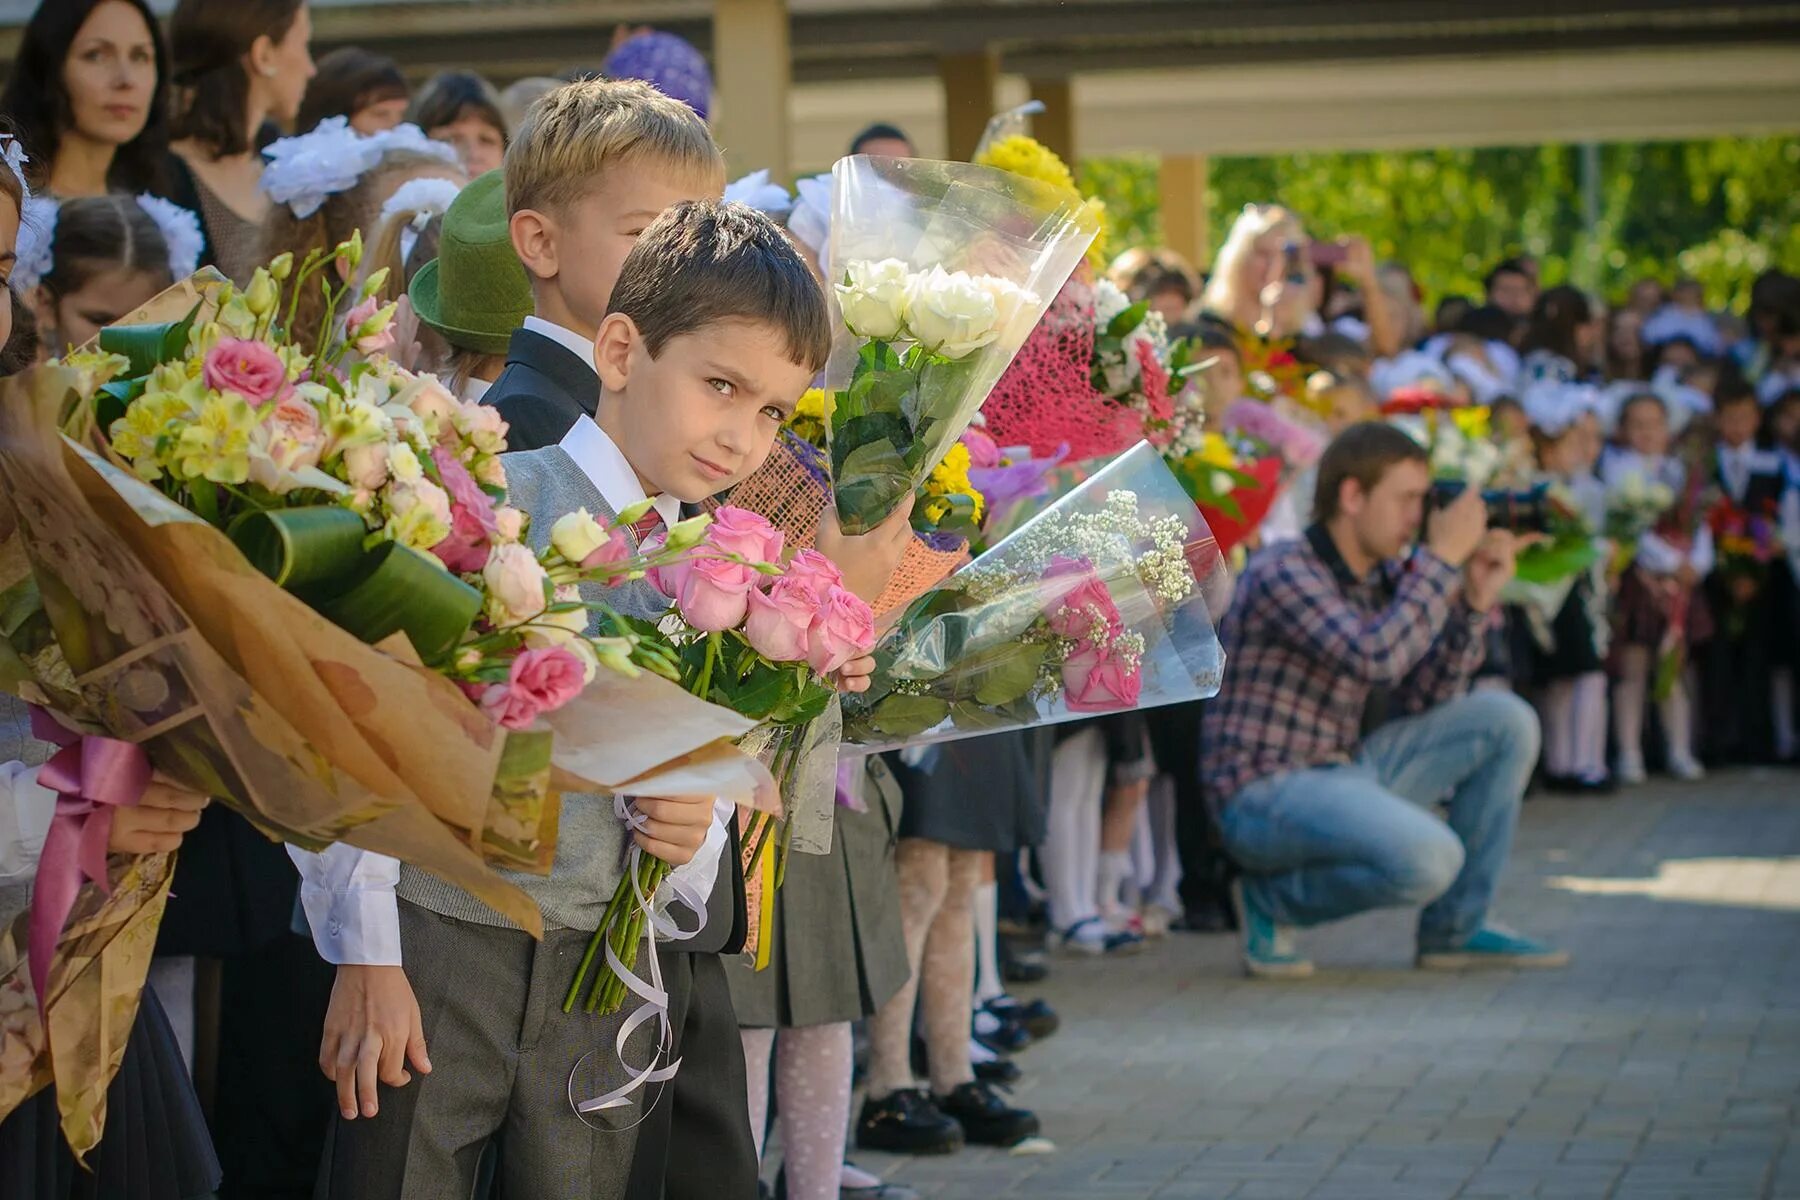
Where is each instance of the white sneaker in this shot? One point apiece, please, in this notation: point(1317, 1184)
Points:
point(1630, 769)
point(1686, 769)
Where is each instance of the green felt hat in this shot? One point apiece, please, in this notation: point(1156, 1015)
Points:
point(475, 292)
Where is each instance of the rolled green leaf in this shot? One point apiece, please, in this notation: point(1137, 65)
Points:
point(146, 347)
point(399, 590)
point(301, 547)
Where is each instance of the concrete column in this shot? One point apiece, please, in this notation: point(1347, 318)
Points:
point(1183, 186)
point(751, 73)
point(1055, 126)
point(968, 81)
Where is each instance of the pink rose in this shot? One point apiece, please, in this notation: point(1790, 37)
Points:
point(780, 622)
point(1096, 682)
point(666, 580)
point(515, 584)
point(746, 534)
point(1086, 609)
point(814, 571)
point(984, 451)
point(483, 426)
point(376, 339)
point(430, 402)
point(473, 528)
point(509, 524)
point(843, 629)
point(713, 593)
point(541, 681)
point(616, 549)
point(250, 368)
point(294, 438)
point(367, 466)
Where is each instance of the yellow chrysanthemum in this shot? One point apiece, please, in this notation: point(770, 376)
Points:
point(951, 478)
point(1473, 422)
point(808, 421)
point(216, 444)
point(1030, 158)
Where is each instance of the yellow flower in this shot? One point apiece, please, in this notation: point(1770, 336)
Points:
point(951, 478)
point(1472, 422)
point(1032, 159)
point(216, 444)
point(139, 435)
point(808, 421)
point(1215, 451)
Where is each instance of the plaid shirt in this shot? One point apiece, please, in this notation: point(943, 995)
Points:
point(1306, 646)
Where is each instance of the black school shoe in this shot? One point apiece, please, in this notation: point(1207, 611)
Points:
point(1038, 1018)
point(907, 1122)
point(986, 1119)
point(1001, 1070)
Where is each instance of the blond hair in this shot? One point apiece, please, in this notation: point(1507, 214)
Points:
point(1230, 292)
point(572, 136)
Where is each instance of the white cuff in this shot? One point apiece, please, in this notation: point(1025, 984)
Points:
point(348, 896)
point(26, 808)
point(700, 874)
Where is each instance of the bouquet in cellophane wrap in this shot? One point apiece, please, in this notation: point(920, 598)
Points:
point(291, 581)
point(940, 271)
point(1103, 601)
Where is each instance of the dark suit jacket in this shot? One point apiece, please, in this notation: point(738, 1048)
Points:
point(543, 390)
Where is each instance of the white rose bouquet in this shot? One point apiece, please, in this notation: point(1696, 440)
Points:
point(939, 270)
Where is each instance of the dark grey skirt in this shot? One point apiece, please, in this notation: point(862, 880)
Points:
point(980, 793)
point(837, 952)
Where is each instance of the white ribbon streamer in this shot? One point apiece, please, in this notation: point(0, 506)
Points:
point(650, 990)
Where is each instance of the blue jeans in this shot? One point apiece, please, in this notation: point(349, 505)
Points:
point(1326, 843)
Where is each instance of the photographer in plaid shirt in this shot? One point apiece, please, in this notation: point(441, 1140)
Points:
point(1334, 636)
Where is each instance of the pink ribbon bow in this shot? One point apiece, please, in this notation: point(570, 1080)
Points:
point(91, 776)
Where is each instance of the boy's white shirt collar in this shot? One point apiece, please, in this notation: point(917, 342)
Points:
point(568, 339)
point(606, 466)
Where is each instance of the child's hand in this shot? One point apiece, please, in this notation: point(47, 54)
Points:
point(867, 560)
point(372, 1028)
point(854, 675)
point(156, 823)
point(675, 826)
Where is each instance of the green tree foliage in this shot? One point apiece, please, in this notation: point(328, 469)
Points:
point(1719, 210)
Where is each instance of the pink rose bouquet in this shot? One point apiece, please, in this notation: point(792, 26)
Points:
point(1102, 602)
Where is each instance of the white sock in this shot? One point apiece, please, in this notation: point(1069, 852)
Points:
point(1628, 703)
point(988, 983)
point(1590, 726)
point(1115, 869)
point(979, 1053)
point(1678, 723)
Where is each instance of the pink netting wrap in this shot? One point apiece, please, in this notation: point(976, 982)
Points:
point(1047, 398)
point(790, 490)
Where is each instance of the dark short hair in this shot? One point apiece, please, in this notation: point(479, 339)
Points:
point(1507, 266)
point(349, 80)
point(96, 234)
point(1559, 312)
point(1488, 322)
point(1363, 452)
point(879, 131)
point(37, 100)
point(449, 96)
point(208, 40)
point(703, 262)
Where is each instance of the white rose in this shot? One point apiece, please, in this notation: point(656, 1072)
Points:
point(872, 297)
point(1016, 310)
point(403, 464)
point(577, 535)
point(515, 585)
point(562, 628)
point(510, 524)
point(950, 313)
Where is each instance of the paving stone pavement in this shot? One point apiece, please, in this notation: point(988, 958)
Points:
point(1664, 1063)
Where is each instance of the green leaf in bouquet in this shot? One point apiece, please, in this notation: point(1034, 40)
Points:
point(809, 702)
point(1006, 672)
point(905, 716)
point(148, 346)
point(112, 399)
point(398, 590)
point(762, 692)
point(301, 547)
point(966, 714)
point(1557, 560)
point(871, 445)
point(1128, 320)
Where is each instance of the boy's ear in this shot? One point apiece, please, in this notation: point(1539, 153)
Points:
point(613, 346)
point(534, 241)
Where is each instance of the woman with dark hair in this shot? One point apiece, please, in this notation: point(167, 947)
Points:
point(462, 108)
point(367, 88)
point(86, 95)
point(1564, 338)
point(236, 63)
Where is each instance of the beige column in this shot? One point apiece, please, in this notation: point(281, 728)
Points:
point(1055, 126)
point(968, 99)
point(751, 73)
point(1183, 185)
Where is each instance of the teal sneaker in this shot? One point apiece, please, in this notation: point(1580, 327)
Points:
point(1268, 948)
point(1493, 946)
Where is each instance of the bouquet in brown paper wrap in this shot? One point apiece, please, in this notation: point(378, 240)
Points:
point(293, 581)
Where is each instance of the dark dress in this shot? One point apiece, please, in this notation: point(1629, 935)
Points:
point(979, 793)
point(837, 951)
point(542, 391)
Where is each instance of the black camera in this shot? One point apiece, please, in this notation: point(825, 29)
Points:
point(1528, 511)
